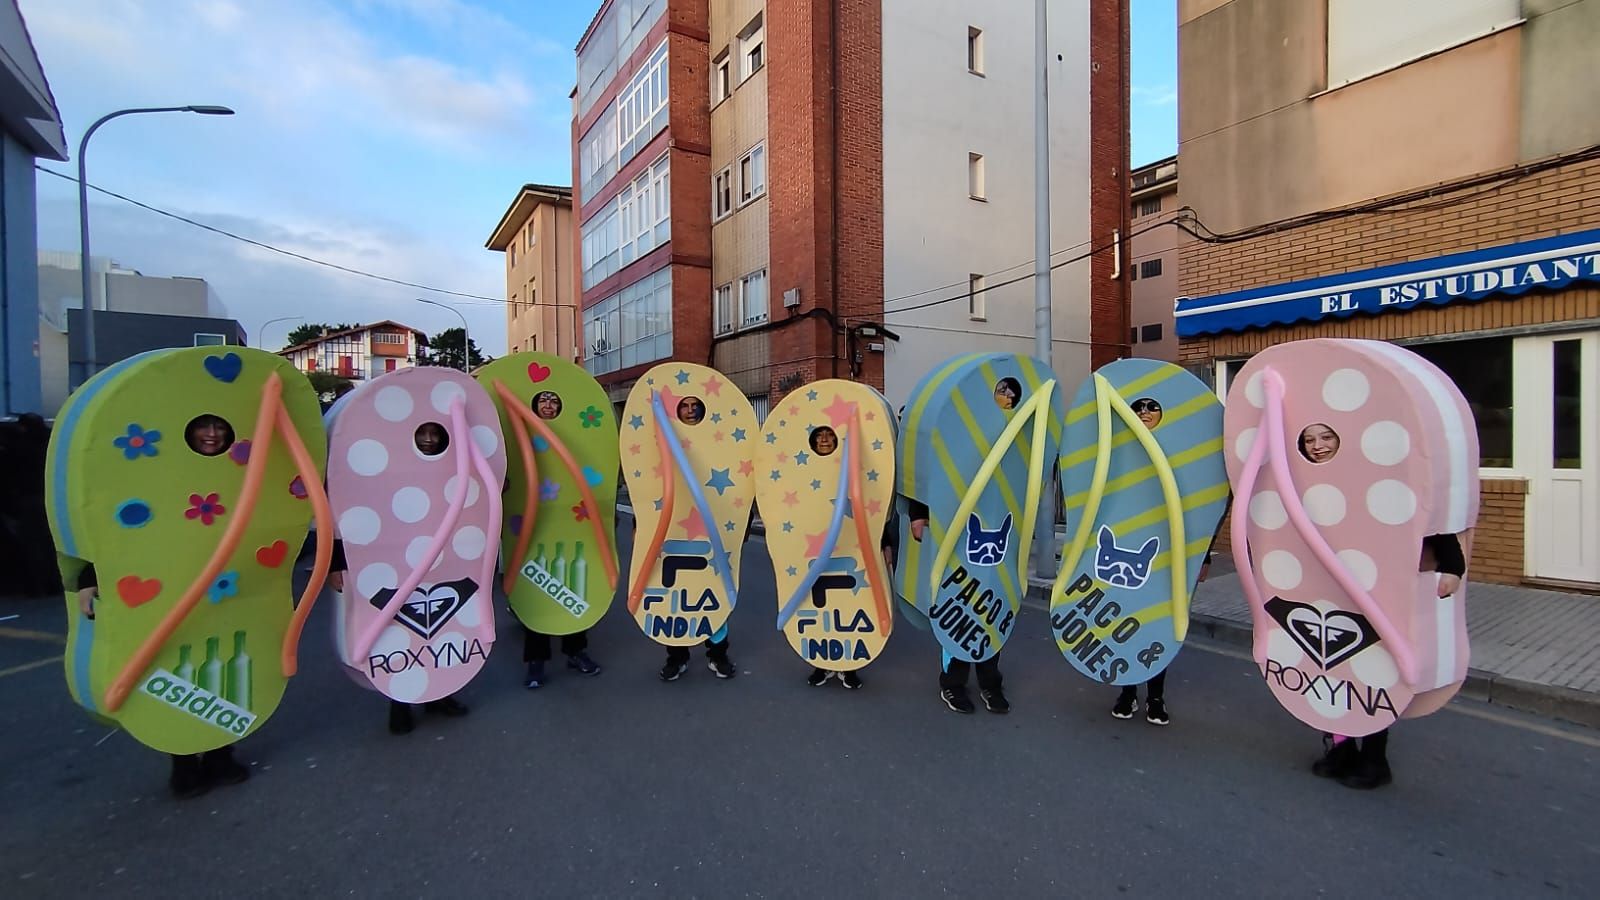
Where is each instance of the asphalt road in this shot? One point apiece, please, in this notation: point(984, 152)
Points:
point(621, 785)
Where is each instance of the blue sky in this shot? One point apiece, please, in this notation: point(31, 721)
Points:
point(385, 135)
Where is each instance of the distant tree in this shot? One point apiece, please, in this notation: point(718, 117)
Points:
point(444, 349)
point(329, 387)
point(312, 331)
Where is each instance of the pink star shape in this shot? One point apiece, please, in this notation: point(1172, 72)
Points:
point(839, 412)
point(791, 498)
point(713, 386)
point(693, 526)
point(814, 543)
point(748, 467)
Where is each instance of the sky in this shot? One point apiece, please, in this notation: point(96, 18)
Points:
point(383, 135)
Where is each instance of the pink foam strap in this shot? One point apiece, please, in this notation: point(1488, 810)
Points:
point(1239, 531)
point(491, 532)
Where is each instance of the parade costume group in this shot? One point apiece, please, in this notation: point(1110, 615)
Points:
point(181, 480)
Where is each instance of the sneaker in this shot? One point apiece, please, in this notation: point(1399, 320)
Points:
point(672, 670)
point(188, 777)
point(1368, 774)
point(221, 768)
point(448, 706)
point(1338, 760)
point(722, 665)
point(583, 664)
point(995, 701)
point(400, 719)
point(535, 679)
point(818, 677)
point(1127, 705)
point(957, 699)
point(851, 681)
point(1156, 712)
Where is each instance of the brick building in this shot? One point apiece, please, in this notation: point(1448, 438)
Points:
point(1427, 174)
point(1153, 259)
point(796, 189)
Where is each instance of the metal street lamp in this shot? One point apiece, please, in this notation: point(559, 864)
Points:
point(83, 213)
point(466, 341)
point(261, 335)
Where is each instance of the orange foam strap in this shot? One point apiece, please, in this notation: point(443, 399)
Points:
point(869, 554)
point(530, 471)
point(322, 514)
point(608, 556)
point(669, 480)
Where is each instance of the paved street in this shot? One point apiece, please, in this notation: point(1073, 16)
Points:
point(623, 785)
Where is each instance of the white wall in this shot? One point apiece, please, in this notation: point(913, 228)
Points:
point(935, 112)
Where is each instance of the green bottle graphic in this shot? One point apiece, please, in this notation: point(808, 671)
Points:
point(236, 689)
point(558, 566)
point(211, 669)
point(184, 671)
point(578, 573)
point(538, 557)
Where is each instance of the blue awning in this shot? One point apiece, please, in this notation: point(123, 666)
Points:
point(1548, 264)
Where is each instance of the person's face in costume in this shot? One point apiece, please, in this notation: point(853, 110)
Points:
point(430, 439)
point(1319, 443)
point(691, 411)
point(1005, 396)
point(209, 435)
point(1148, 411)
point(547, 405)
point(824, 441)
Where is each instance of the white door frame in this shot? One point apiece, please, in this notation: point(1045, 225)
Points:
point(1562, 515)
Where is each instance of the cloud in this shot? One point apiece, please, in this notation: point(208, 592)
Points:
point(1155, 95)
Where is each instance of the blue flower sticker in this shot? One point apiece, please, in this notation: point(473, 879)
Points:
point(133, 514)
point(226, 585)
point(138, 442)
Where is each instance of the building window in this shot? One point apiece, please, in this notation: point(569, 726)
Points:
point(1133, 335)
point(386, 337)
point(722, 305)
point(516, 308)
point(209, 340)
point(1150, 268)
point(631, 327)
point(753, 174)
point(975, 50)
point(511, 255)
point(976, 299)
point(752, 48)
point(1150, 333)
point(531, 238)
point(642, 107)
point(636, 222)
point(1482, 369)
point(975, 186)
point(753, 298)
point(721, 78)
point(722, 194)
point(1147, 207)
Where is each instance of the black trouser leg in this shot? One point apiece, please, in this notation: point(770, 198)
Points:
point(989, 674)
point(573, 644)
point(1156, 688)
point(717, 650)
point(1376, 746)
point(678, 656)
point(954, 675)
point(535, 646)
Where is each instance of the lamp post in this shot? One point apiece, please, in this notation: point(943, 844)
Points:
point(261, 334)
point(466, 341)
point(83, 213)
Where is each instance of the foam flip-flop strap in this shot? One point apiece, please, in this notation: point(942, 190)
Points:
point(1097, 486)
point(585, 493)
point(322, 514)
point(719, 553)
point(824, 556)
point(1178, 539)
point(1239, 534)
point(658, 538)
point(858, 500)
point(1035, 486)
point(530, 470)
point(480, 463)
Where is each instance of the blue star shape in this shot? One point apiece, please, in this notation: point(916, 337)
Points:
point(637, 473)
point(788, 527)
point(776, 475)
point(733, 412)
point(728, 525)
point(772, 438)
point(793, 571)
point(658, 504)
point(877, 445)
point(783, 423)
point(683, 377)
point(650, 381)
point(716, 418)
point(811, 395)
point(849, 508)
point(816, 485)
point(738, 435)
point(872, 475)
point(801, 458)
point(636, 423)
point(720, 480)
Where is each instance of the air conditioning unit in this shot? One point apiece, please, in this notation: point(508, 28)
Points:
point(791, 298)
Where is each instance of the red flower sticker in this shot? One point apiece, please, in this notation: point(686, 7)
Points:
point(206, 508)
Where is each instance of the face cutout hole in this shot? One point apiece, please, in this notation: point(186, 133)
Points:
point(691, 410)
point(546, 405)
point(208, 435)
point(824, 441)
point(1148, 411)
point(1319, 443)
point(1007, 391)
point(431, 439)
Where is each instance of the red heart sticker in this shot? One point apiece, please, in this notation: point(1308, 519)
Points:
point(136, 591)
point(272, 556)
point(537, 372)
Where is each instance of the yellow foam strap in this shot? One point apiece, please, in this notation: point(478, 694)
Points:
point(1097, 488)
point(1037, 408)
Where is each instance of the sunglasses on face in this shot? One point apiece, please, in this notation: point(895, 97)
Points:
point(1140, 406)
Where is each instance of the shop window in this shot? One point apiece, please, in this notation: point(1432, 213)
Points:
point(1567, 404)
point(1150, 268)
point(1150, 333)
point(1482, 369)
point(1147, 207)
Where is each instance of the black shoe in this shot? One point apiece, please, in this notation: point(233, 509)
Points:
point(1127, 705)
point(188, 777)
point(1339, 759)
point(957, 699)
point(535, 677)
point(221, 768)
point(1156, 712)
point(851, 681)
point(1372, 765)
point(447, 706)
point(818, 677)
point(995, 701)
point(721, 665)
point(583, 664)
point(400, 719)
point(672, 670)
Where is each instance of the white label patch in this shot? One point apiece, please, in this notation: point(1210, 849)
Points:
point(196, 701)
point(557, 591)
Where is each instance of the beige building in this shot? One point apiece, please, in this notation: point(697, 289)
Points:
point(535, 234)
point(1153, 259)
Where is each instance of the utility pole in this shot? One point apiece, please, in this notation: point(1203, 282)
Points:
point(1044, 534)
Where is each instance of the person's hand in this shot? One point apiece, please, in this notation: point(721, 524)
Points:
point(336, 581)
point(1448, 585)
point(86, 598)
point(917, 527)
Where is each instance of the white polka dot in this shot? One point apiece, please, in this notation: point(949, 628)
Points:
point(1325, 504)
point(394, 403)
point(1282, 648)
point(1282, 570)
point(487, 439)
point(367, 457)
point(1346, 390)
point(375, 578)
point(1376, 667)
point(472, 490)
point(472, 614)
point(1255, 390)
point(1243, 443)
point(392, 640)
point(1391, 502)
point(417, 549)
point(469, 542)
point(410, 504)
point(1361, 568)
point(451, 637)
point(409, 685)
point(1386, 443)
point(1266, 510)
point(360, 525)
point(444, 393)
